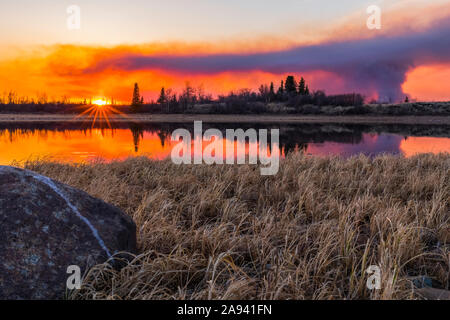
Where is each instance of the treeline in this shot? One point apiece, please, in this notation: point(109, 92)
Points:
point(11, 102)
point(290, 93)
point(289, 97)
point(171, 102)
point(49, 107)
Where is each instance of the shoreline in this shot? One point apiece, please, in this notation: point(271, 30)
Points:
point(231, 118)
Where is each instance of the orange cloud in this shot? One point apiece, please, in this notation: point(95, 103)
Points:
point(58, 71)
point(429, 83)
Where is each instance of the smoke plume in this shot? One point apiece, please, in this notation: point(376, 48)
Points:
point(378, 64)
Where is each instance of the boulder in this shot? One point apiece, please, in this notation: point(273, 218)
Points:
point(45, 227)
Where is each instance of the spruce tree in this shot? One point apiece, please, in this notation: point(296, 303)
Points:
point(302, 87)
point(280, 92)
point(271, 91)
point(162, 96)
point(290, 85)
point(281, 88)
point(136, 96)
point(137, 101)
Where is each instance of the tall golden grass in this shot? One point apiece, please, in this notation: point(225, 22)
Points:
point(310, 232)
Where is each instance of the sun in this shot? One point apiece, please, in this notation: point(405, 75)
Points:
point(99, 102)
point(100, 109)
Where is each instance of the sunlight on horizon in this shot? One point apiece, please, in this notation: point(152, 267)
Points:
point(100, 102)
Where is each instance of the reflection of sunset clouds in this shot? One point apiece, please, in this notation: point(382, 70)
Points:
point(78, 146)
point(415, 145)
point(238, 147)
point(371, 144)
point(81, 146)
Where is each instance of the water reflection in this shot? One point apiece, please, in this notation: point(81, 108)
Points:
point(73, 142)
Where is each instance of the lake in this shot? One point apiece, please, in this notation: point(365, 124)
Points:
point(71, 141)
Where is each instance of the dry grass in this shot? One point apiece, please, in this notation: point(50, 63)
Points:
point(225, 232)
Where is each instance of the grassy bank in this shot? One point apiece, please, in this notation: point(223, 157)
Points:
point(297, 105)
point(225, 232)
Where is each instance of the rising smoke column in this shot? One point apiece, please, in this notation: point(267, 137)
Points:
point(378, 64)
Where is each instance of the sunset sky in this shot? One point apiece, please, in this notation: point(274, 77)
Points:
point(223, 46)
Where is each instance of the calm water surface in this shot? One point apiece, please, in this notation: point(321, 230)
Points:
point(81, 143)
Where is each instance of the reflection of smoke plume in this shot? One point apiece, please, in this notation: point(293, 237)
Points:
point(378, 64)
